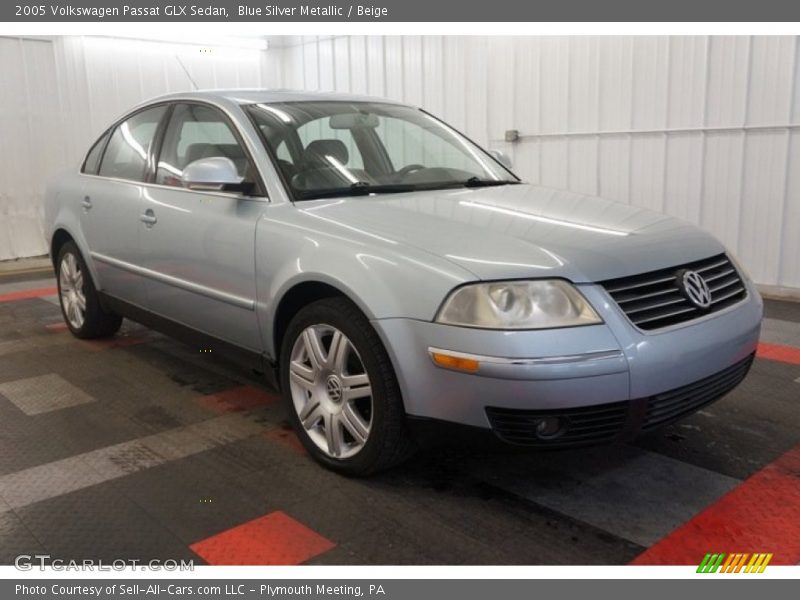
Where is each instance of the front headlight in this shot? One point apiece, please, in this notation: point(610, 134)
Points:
point(518, 305)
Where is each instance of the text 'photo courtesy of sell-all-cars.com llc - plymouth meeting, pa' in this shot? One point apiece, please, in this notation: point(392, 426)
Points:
point(383, 270)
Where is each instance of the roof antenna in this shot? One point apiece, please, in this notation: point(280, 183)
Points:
point(185, 70)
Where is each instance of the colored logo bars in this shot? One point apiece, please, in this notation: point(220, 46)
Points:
point(734, 563)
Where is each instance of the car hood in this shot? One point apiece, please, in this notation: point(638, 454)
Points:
point(517, 231)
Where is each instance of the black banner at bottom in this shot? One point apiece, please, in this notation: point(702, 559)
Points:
point(395, 589)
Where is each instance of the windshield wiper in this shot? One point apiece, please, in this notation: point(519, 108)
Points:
point(363, 187)
point(478, 182)
point(359, 188)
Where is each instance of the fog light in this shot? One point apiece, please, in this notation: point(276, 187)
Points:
point(549, 427)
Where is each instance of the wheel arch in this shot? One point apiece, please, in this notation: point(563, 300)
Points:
point(60, 237)
point(299, 295)
point(62, 233)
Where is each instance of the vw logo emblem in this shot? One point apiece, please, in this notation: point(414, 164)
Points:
point(334, 388)
point(695, 288)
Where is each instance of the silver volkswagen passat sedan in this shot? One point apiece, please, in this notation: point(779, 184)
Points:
point(382, 270)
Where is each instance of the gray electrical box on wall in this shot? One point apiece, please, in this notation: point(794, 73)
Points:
point(512, 135)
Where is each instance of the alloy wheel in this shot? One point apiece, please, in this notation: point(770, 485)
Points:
point(331, 391)
point(73, 300)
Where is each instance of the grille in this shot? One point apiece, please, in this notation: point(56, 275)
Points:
point(585, 425)
point(654, 300)
point(666, 407)
point(604, 423)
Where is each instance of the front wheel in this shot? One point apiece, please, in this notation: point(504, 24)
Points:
point(341, 391)
point(78, 297)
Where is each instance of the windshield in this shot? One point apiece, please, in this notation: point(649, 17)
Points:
point(326, 149)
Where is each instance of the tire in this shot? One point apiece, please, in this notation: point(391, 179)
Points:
point(80, 304)
point(345, 404)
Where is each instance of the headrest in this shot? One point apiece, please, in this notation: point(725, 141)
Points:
point(317, 150)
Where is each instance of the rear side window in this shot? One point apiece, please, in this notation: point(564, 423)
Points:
point(126, 154)
point(92, 162)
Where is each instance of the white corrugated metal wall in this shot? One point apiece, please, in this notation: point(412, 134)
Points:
point(58, 94)
point(700, 127)
point(30, 141)
point(703, 128)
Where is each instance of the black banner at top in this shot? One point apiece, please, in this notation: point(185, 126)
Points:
point(398, 10)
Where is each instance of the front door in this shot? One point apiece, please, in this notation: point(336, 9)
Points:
point(199, 246)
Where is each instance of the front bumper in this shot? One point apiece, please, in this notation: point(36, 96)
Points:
point(617, 421)
point(571, 369)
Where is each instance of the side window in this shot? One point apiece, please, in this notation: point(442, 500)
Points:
point(196, 132)
point(126, 154)
point(92, 161)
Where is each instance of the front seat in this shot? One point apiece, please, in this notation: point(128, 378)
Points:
point(320, 171)
point(316, 153)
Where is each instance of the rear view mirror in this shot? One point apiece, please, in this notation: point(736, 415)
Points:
point(354, 121)
point(503, 158)
point(215, 174)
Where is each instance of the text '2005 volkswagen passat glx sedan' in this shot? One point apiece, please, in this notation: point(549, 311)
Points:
point(382, 268)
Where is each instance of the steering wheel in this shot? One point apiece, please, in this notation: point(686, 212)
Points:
point(407, 170)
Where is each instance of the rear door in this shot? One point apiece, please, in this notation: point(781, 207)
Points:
point(199, 246)
point(112, 204)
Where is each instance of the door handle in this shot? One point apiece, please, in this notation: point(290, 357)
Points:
point(86, 203)
point(148, 218)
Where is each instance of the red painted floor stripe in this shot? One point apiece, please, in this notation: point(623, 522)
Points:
point(120, 341)
point(760, 515)
point(287, 438)
point(786, 354)
point(274, 539)
point(25, 294)
point(237, 399)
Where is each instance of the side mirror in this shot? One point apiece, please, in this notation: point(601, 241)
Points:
point(503, 158)
point(215, 174)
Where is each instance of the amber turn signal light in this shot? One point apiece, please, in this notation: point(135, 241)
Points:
point(456, 363)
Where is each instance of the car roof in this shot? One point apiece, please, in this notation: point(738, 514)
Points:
point(267, 96)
